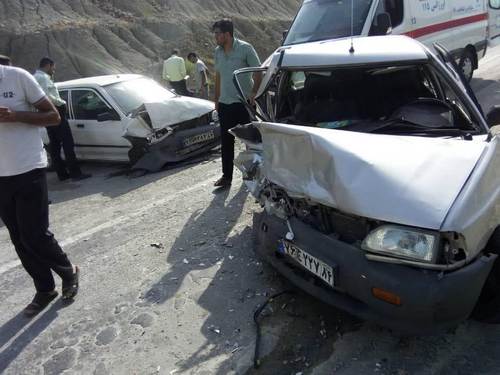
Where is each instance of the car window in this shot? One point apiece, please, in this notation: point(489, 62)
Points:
point(495, 4)
point(131, 94)
point(393, 99)
point(87, 104)
point(328, 19)
point(395, 10)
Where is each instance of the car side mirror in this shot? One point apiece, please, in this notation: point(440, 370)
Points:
point(493, 117)
point(384, 24)
point(108, 116)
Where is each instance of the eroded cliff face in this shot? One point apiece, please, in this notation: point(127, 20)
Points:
point(93, 37)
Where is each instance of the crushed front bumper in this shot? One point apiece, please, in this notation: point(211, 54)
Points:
point(430, 300)
point(180, 145)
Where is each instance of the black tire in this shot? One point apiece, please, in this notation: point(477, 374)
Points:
point(468, 63)
point(487, 309)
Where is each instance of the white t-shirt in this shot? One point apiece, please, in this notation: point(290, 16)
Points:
point(21, 146)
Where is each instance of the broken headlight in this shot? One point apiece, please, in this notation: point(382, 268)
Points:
point(214, 116)
point(402, 242)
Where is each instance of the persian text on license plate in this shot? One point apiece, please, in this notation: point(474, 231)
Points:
point(309, 262)
point(199, 138)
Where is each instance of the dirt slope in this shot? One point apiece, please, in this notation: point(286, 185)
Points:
point(91, 37)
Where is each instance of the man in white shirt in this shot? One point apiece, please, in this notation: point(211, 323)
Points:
point(59, 136)
point(23, 186)
point(200, 76)
point(174, 72)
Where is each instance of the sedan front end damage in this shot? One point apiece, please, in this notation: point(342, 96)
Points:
point(378, 180)
point(159, 138)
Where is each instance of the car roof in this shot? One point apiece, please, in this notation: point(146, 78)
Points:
point(98, 80)
point(367, 50)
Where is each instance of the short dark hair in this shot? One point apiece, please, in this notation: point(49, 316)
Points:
point(225, 25)
point(46, 61)
point(192, 54)
point(5, 60)
point(175, 51)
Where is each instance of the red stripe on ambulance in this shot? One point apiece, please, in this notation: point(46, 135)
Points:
point(431, 29)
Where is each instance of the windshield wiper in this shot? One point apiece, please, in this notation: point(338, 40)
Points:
point(401, 126)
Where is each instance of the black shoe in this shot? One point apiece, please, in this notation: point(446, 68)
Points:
point(70, 285)
point(40, 302)
point(63, 177)
point(223, 182)
point(80, 177)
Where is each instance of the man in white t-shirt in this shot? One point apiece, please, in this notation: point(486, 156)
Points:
point(23, 186)
point(199, 78)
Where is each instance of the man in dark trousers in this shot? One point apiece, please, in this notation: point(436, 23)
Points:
point(232, 54)
point(23, 186)
point(59, 136)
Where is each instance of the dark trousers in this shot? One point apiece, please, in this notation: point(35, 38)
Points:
point(61, 137)
point(230, 115)
point(180, 87)
point(24, 210)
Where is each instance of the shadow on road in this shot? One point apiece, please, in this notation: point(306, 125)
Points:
point(32, 329)
point(113, 180)
point(214, 223)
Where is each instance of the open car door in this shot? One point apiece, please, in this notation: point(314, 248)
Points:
point(449, 61)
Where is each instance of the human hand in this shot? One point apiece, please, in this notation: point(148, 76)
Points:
point(6, 115)
point(251, 99)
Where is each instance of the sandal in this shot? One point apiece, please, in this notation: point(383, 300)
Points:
point(40, 302)
point(70, 285)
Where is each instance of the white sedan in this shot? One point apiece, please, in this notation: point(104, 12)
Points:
point(132, 118)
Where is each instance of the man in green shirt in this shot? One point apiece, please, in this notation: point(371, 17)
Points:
point(232, 54)
point(59, 136)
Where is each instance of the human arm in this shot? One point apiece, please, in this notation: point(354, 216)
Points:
point(254, 61)
point(182, 67)
point(47, 114)
point(164, 74)
point(217, 90)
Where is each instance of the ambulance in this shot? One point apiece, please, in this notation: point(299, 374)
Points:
point(463, 27)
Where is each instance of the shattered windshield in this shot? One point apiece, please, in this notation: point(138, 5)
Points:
point(328, 19)
point(407, 99)
point(130, 95)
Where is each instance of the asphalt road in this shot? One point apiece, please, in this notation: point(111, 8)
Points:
point(169, 286)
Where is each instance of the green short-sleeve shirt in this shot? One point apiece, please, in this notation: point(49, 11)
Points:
point(242, 55)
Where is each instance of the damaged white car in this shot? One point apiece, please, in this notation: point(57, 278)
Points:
point(132, 118)
point(380, 181)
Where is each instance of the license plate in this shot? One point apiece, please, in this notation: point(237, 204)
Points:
point(199, 138)
point(307, 261)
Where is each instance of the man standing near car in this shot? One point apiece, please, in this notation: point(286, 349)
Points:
point(199, 77)
point(174, 72)
point(23, 186)
point(232, 54)
point(59, 136)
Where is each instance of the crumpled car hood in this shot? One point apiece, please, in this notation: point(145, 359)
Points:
point(177, 110)
point(407, 180)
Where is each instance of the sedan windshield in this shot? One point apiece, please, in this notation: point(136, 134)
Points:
point(410, 99)
point(328, 19)
point(130, 95)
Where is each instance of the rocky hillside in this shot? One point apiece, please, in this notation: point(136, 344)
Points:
point(92, 37)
